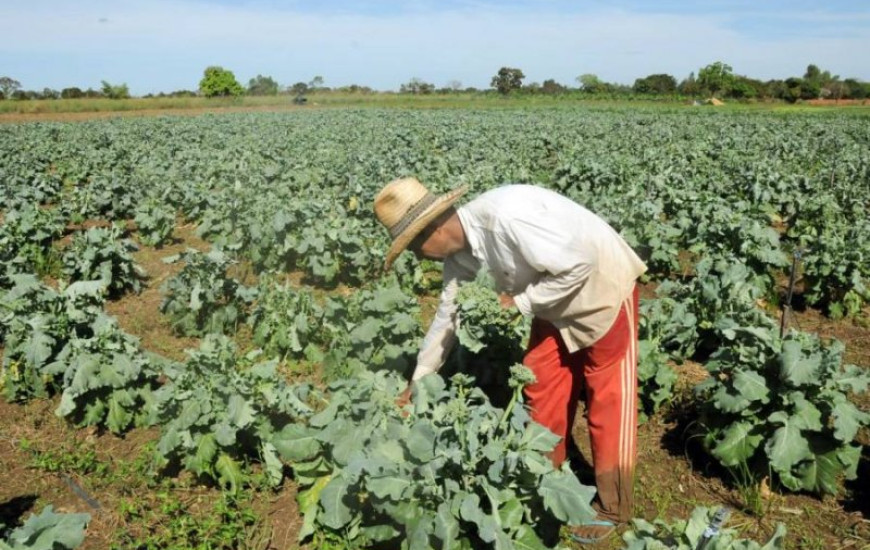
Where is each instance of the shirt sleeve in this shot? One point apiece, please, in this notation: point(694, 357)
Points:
point(441, 336)
point(564, 265)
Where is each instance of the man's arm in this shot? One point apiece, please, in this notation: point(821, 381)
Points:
point(441, 336)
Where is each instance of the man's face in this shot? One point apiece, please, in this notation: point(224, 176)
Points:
point(429, 243)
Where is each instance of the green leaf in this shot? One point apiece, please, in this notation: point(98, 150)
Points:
point(566, 498)
point(206, 449)
point(308, 506)
point(796, 369)
point(806, 416)
point(421, 441)
point(118, 417)
point(737, 444)
point(848, 419)
point(335, 514)
point(527, 539)
point(777, 541)
point(296, 442)
point(787, 446)
point(50, 531)
point(447, 527)
point(820, 472)
point(538, 438)
point(229, 473)
point(393, 486)
point(239, 411)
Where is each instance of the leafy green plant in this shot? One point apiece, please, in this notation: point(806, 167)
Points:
point(218, 410)
point(373, 328)
point(491, 338)
point(201, 298)
point(833, 256)
point(36, 323)
point(449, 471)
point(48, 531)
point(286, 321)
point(100, 253)
point(26, 237)
point(655, 379)
point(689, 316)
point(103, 197)
point(486, 328)
point(688, 534)
point(154, 223)
point(108, 379)
point(781, 406)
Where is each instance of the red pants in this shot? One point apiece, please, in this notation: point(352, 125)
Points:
point(607, 371)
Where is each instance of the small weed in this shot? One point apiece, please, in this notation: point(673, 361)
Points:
point(750, 489)
point(170, 522)
point(77, 461)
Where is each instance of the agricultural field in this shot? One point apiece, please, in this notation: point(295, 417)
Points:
point(200, 348)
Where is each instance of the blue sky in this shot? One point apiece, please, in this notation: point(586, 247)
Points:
point(164, 45)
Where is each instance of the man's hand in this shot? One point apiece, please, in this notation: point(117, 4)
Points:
point(404, 397)
point(506, 301)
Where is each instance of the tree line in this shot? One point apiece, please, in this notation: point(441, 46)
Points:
point(714, 80)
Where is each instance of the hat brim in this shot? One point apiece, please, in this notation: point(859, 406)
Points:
point(437, 208)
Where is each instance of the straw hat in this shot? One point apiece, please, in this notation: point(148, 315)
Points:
point(406, 207)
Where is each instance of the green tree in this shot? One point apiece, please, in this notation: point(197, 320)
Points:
point(262, 85)
point(219, 82)
point(8, 86)
point(744, 88)
point(656, 84)
point(590, 83)
point(300, 88)
point(689, 86)
point(111, 91)
point(716, 78)
point(316, 83)
point(856, 89)
point(71, 93)
point(551, 87)
point(416, 86)
point(507, 80)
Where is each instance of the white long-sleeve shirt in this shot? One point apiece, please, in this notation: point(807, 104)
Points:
point(558, 260)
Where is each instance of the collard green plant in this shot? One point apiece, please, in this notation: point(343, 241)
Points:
point(48, 531)
point(26, 237)
point(834, 266)
point(107, 379)
point(218, 411)
point(154, 223)
point(286, 321)
point(448, 471)
point(655, 379)
point(491, 338)
point(688, 534)
point(101, 253)
point(104, 197)
point(688, 316)
point(373, 328)
point(486, 328)
point(36, 323)
point(201, 298)
point(782, 407)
